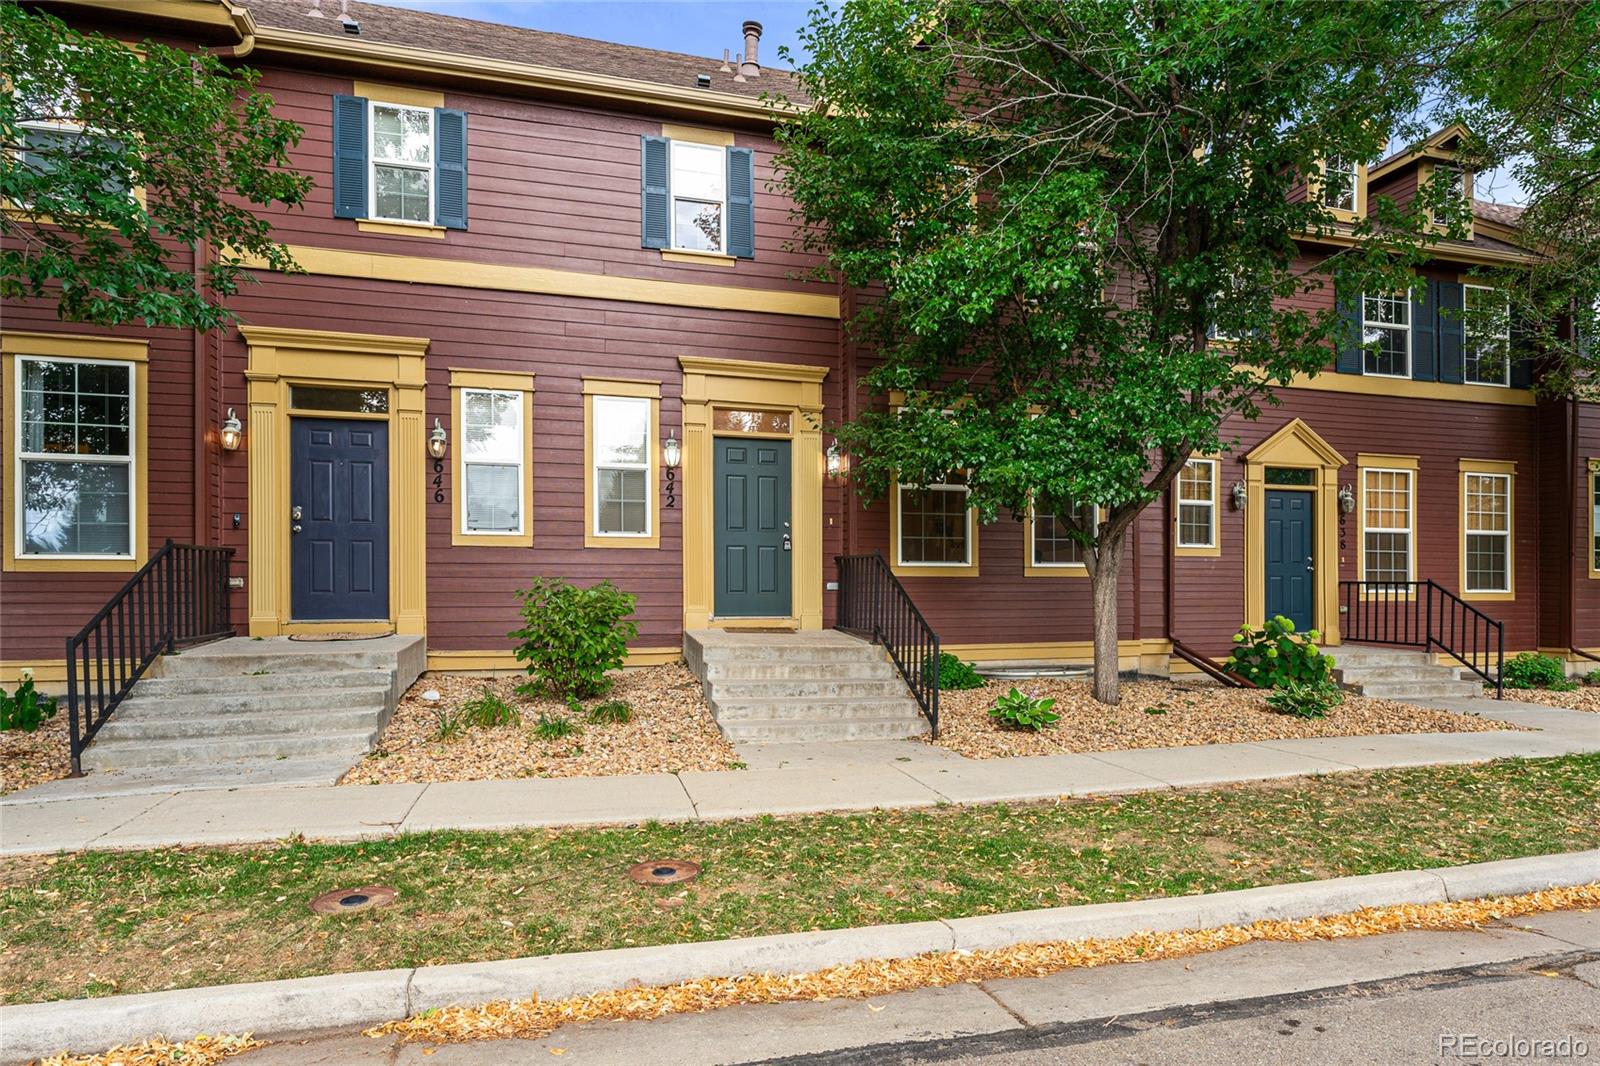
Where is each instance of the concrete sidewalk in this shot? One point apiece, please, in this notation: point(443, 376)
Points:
point(812, 779)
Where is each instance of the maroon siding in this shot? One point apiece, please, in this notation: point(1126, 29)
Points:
point(1586, 590)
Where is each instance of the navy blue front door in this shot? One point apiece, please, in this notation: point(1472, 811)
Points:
point(339, 519)
point(1290, 562)
point(753, 541)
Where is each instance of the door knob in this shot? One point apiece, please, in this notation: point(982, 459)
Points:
point(294, 513)
point(294, 528)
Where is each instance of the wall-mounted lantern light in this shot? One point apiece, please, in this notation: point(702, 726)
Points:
point(838, 463)
point(437, 441)
point(671, 452)
point(1240, 494)
point(232, 432)
point(1347, 499)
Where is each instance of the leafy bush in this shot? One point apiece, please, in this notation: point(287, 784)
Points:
point(612, 712)
point(955, 673)
point(1273, 655)
point(571, 637)
point(1021, 711)
point(1592, 677)
point(26, 709)
point(1532, 670)
point(488, 709)
point(1306, 699)
point(554, 727)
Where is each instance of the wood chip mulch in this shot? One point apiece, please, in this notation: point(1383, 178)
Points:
point(1160, 714)
point(671, 730)
point(28, 759)
point(1586, 698)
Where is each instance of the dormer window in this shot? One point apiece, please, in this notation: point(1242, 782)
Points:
point(1340, 184)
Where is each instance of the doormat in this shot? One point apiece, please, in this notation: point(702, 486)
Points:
point(318, 638)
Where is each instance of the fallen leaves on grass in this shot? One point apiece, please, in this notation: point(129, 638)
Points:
point(203, 1050)
point(532, 1018)
point(671, 730)
point(1159, 714)
point(28, 759)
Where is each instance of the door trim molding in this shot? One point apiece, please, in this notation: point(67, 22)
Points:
point(278, 358)
point(1295, 445)
point(711, 383)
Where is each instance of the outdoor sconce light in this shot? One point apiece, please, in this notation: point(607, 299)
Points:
point(437, 441)
point(232, 432)
point(671, 452)
point(838, 465)
point(1347, 500)
point(1240, 494)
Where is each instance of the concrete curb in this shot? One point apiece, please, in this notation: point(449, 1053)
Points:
point(274, 1008)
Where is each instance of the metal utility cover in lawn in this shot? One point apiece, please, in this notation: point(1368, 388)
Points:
point(664, 872)
point(351, 900)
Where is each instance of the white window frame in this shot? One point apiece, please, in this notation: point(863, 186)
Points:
point(1467, 531)
point(517, 401)
point(1366, 323)
point(1351, 168)
point(373, 163)
point(18, 482)
point(1594, 518)
point(673, 147)
point(1210, 505)
point(1410, 529)
point(1033, 539)
point(648, 466)
point(1466, 339)
point(900, 525)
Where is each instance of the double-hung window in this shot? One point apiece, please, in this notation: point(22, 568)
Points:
point(1486, 348)
point(699, 196)
point(401, 158)
point(50, 133)
point(1339, 179)
point(1387, 526)
point(1487, 529)
point(1197, 504)
point(1386, 334)
point(494, 483)
point(1594, 521)
point(622, 465)
point(1054, 544)
point(935, 523)
point(74, 476)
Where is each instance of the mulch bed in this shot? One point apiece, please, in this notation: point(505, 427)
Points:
point(28, 759)
point(1160, 714)
point(1586, 698)
point(671, 730)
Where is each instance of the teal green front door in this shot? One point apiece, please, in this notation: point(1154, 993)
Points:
point(754, 544)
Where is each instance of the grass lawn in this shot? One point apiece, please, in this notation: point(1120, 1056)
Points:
point(106, 922)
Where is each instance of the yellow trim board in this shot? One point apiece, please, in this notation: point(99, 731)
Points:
point(500, 381)
point(404, 95)
point(698, 258)
point(400, 229)
point(45, 672)
point(697, 135)
point(1149, 655)
point(507, 662)
point(634, 387)
point(1333, 381)
point(466, 274)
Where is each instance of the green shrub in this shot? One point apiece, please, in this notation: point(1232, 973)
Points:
point(488, 709)
point(1272, 655)
point(452, 723)
point(571, 637)
point(554, 727)
point(1021, 711)
point(1592, 677)
point(955, 674)
point(1532, 670)
point(1306, 699)
point(26, 709)
point(612, 712)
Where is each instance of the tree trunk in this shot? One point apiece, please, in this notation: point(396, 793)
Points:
point(1103, 581)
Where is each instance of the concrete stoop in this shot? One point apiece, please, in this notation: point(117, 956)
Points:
point(813, 686)
point(1400, 674)
point(243, 703)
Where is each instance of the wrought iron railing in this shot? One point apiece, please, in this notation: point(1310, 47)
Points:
point(1423, 614)
point(874, 605)
point(178, 598)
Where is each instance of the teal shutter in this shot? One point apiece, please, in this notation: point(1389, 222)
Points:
point(1350, 357)
point(349, 156)
point(741, 203)
point(450, 168)
point(1451, 301)
point(1424, 331)
point(655, 179)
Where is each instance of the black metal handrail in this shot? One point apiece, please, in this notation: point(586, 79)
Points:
point(177, 599)
point(1424, 614)
point(874, 605)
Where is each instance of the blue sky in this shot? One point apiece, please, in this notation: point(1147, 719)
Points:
point(696, 27)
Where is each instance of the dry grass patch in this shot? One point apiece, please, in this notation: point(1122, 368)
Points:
point(1159, 714)
point(28, 759)
point(671, 730)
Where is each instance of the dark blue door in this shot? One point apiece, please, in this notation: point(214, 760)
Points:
point(339, 519)
point(1290, 562)
point(753, 541)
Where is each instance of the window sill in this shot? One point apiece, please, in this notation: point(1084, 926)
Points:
point(1489, 597)
point(72, 565)
point(1077, 570)
point(680, 255)
point(924, 570)
point(1212, 552)
point(459, 539)
point(600, 540)
point(401, 229)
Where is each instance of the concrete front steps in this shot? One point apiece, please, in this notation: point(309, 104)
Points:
point(791, 687)
point(289, 710)
point(1400, 674)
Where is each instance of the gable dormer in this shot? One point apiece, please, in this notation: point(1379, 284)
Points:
point(1400, 175)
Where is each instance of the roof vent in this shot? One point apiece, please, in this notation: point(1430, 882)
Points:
point(703, 80)
point(315, 12)
point(751, 67)
point(351, 26)
point(725, 68)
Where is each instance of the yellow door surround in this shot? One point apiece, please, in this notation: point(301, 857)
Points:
point(279, 358)
point(738, 383)
point(1295, 445)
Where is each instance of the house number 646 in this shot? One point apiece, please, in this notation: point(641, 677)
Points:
point(438, 481)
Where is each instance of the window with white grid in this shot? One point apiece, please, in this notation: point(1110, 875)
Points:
point(1488, 532)
point(1197, 504)
point(1486, 342)
point(1053, 540)
point(1387, 526)
point(1386, 333)
point(1339, 184)
point(935, 523)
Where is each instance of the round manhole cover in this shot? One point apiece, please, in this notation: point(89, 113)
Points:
point(350, 900)
point(664, 871)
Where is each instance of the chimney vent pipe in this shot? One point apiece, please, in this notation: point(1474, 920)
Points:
point(751, 67)
point(725, 68)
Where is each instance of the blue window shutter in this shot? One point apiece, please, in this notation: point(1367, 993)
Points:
point(1424, 331)
point(349, 156)
point(741, 203)
point(1349, 357)
point(1521, 355)
point(655, 175)
point(1451, 302)
point(450, 168)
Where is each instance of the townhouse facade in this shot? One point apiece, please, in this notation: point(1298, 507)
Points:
point(550, 323)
